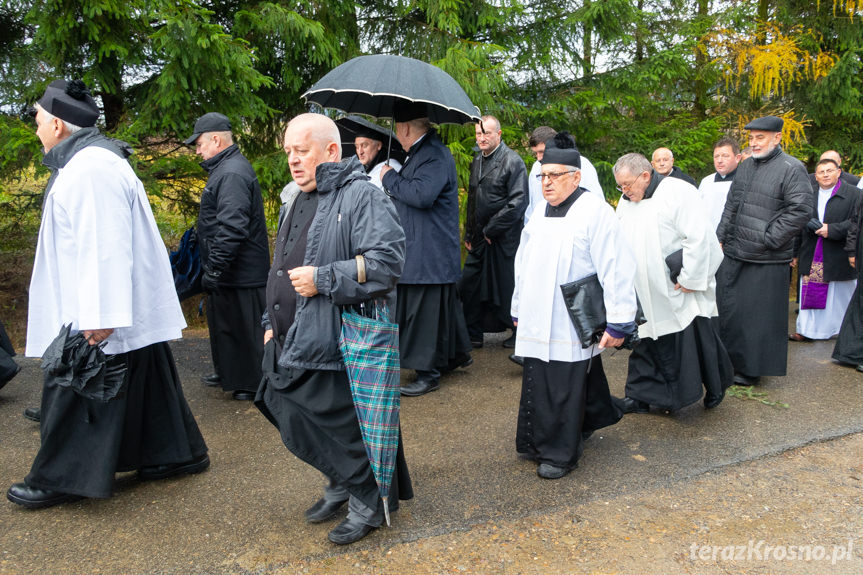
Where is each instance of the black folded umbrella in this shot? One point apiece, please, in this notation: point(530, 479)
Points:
point(73, 363)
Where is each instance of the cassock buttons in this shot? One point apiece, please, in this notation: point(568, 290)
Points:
point(277, 307)
point(280, 273)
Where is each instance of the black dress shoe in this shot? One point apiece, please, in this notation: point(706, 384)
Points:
point(243, 395)
point(549, 471)
point(323, 510)
point(516, 359)
point(33, 414)
point(348, 532)
point(191, 467)
point(860, 368)
point(740, 379)
point(711, 401)
point(509, 343)
point(212, 380)
point(634, 406)
point(421, 386)
point(33, 498)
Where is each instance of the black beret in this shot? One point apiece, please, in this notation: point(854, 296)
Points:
point(766, 124)
point(561, 150)
point(211, 122)
point(71, 102)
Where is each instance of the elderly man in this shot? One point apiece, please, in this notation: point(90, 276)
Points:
point(564, 394)
point(235, 254)
point(589, 177)
point(432, 332)
point(713, 189)
point(768, 204)
point(663, 163)
point(497, 195)
point(333, 217)
point(679, 348)
point(369, 144)
point(101, 267)
point(846, 177)
point(826, 256)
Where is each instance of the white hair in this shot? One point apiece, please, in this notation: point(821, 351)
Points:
point(635, 164)
point(71, 128)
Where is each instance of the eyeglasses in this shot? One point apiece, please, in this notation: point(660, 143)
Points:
point(627, 187)
point(553, 175)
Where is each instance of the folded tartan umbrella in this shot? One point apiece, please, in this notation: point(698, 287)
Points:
point(73, 363)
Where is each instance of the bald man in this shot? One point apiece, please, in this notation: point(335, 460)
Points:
point(663, 164)
point(331, 216)
point(844, 176)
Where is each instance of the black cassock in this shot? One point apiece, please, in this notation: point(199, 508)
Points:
point(236, 335)
point(753, 315)
point(8, 367)
point(85, 441)
point(849, 344)
point(432, 330)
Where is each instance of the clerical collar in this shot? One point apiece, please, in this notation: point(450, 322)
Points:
point(726, 178)
point(655, 179)
point(562, 208)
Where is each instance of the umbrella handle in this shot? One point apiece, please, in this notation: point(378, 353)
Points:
point(386, 510)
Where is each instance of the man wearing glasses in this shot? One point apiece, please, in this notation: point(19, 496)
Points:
point(572, 235)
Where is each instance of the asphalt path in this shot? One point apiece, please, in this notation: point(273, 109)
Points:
point(245, 514)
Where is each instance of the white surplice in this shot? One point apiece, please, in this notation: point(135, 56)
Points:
point(375, 174)
point(656, 227)
point(589, 181)
point(556, 251)
point(100, 260)
point(713, 195)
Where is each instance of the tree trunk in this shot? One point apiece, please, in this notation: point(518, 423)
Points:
point(587, 46)
point(700, 86)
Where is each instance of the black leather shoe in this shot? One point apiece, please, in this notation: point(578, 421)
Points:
point(466, 363)
point(509, 343)
point(711, 401)
point(212, 380)
point(33, 498)
point(243, 395)
point(33, 414)
point(549, 471)
point(421, 386)
point(348, 532)
point(323, 510)
point(634, 406)
point(154, 472)
point(860, 368)
point(516, 359)
point(740, 379)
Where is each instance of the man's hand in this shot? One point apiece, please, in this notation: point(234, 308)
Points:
point(268, 335)
point(487, 240)
point(608, 341)
point(384, 169)
point(94, 336)
point(468, 246)
point(793, 262)
point(210, 282)
point(853, 261)
point(822, 231)
point(683, 289)
point(303, 280)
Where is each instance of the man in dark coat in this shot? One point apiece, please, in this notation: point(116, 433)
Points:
point(332, 217)
point(768, 204)
point(496, 201)
point(846, 177)
point(849, 344)
point(235, 255)
point(663, 163)
point(433, 335)
point(825, 249)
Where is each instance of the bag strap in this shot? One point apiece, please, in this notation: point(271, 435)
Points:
point(361, 269)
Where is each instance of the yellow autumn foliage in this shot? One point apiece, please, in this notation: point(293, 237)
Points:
point(848, 8)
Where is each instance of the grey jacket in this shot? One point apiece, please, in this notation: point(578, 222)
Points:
point(353, 218)
point(768, 204)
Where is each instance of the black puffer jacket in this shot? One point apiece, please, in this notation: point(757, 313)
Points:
point(768, 204)
point(232, 229)
point(497, 198)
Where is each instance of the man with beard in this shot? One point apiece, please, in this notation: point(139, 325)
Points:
point(339, 244)
point(679, 349)
point(768, 204)
point(496, 199)
point(564, 394)
point(433, 335)
point(235, 253)
point(102, 268)
point(714, 188)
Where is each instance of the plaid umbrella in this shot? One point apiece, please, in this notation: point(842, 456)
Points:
point(370, 348)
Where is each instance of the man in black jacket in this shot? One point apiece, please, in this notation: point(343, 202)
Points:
point(768, 204)
point(496, 202)
point(663, 164)
point(235, 255)
point(846, 177)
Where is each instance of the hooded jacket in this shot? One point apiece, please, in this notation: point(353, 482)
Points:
point(232, 229)
point(353, 217)
point(768, 204)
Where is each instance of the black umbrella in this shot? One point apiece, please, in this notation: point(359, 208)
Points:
point(350, 127)
point(73, 363)
point(372, 85)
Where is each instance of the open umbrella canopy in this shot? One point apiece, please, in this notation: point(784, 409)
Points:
point(373, 85)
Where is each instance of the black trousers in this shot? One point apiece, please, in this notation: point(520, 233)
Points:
point(236, 335)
